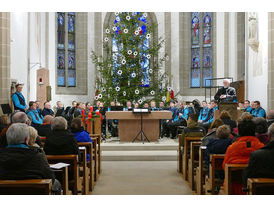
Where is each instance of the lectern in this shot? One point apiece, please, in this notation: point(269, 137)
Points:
point(231, 107)
point(130, 124)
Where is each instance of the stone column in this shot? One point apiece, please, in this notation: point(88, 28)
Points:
point(270, 90)
point(4, 57)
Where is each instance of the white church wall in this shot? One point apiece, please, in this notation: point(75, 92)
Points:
point(257, 64)
point(19, 48)
point(232, 46)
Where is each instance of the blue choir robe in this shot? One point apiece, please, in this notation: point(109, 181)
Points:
point(203, 114)
point(19, 102)
point(36, 118)
point(260, 112)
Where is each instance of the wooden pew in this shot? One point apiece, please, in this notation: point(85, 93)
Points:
point(62, 174)
point(83, 168)
point(200, 174)
point(260, 186)
point(26, 187)
point(90, 163)
point(99, 152)
point(233, 174)
point(216, 162)
point(193, 162)
point(186, 152)
point(180, 154)
point(69, 159)
point(95, 156)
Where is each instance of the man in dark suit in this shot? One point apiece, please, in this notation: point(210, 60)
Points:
point(261, 162)
point(226, 93)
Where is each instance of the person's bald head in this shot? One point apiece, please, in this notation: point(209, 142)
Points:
point(270, 114)
point(226, 83)
point(19, 117)
point(47, 119)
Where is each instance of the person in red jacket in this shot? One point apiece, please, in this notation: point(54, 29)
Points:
point(239, 151)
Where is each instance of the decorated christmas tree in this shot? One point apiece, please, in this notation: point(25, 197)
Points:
point(131, 68)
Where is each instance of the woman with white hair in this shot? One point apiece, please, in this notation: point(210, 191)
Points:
point(60, 141)
point(18, 161)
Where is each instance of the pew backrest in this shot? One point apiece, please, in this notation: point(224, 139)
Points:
point(260, 186)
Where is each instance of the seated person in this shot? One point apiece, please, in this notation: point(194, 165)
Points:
point(261, 162)
point(153, 106)
point(239, 151)
point(270, 117)
point(33, 134)
point(128, 107)
point(203, 112)
point(16, 117)
point(165, 127)
point(60, 141)
point(212, 131)
point(3, 123)
point(59, 109)
point(146, 105)
point(226, 118)
point(258, 110)
point(19, 162)
point(161, 106)
point(78, 111)
point(80, 134)
point(34, 114)
point(247, 107)
point(213, 106)
point(219, 144)
point(136, 105)
point(47, 109)
point(192, 129)
point(261, 130)
point(45, 128)
point(18, 99)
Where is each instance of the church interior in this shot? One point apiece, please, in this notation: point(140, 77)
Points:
point(137, 103)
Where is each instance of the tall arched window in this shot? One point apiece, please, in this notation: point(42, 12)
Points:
point(66, 67)
point(201, 49)
point(143, 46)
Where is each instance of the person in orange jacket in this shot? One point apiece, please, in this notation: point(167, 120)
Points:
point(239, 151)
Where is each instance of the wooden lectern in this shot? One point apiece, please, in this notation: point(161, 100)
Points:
point(231, 107)
point(130, 124)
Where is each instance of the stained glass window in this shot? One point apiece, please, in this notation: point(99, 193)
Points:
point(116, 46)
point(201, 49)
point(66, 67)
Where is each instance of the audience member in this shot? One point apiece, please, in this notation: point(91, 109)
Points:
point(226, 118)
point(270, 117)
point(211, 134)
point(18, 161)
point(261, 162)
point(261, 130)
point(47, 109)
point(45, 128)
point(34, 114)
point(239, 151)
point(258, 110)
point(60, 141)
point(247, 107)
point(59, 109)
point(203, 112)
point(18, 99)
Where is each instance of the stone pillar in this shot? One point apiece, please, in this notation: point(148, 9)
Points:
point(4, 57)
point(270, 90)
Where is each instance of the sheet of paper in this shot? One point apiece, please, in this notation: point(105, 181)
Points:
point(59, 165)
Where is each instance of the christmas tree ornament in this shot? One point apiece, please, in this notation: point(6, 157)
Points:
point(164, 98)
point(140, 101)
point(120, 72)
point(129, 52)
point(114, 28)
point(124, 61)
point(96, 97)
point(148, 36)
point(117, 89)
point(152, 92)
point(150, 71)
point(100, 96)
point(133, 75)
point(107, 31)
point(169, 89)
point(145, 14)
point(106, 39)
point(124, 93)
point(125, 31)
point(148, 56)
point(135, 53)
point(128, 18)
point(136, 33)
point(137, 91)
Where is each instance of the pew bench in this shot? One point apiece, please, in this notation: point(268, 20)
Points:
point(233, 174)
point(73, 161)
point(90, 163)
point(193, 162)
point(26, 187)
point(211, 183)
point(186, 146)
point(200, 173)
point(83, 168)
point(179, 154)
point(260, 186)
point(99, 152)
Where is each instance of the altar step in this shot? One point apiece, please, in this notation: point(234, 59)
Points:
point(152, 155)
point(158, 151)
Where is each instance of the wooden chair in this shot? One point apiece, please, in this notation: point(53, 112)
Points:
point(90, 163)
point(83, 168)
point(216, 162)
point(26, 187)
point(233, 174)
point(69, 159)
point(200, 174)
point(186, 154)
point(260, 186)
point(180, 154)
point(193, 162)
point(62, 174)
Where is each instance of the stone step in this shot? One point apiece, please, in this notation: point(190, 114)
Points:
point(154, 155)
point(138, 147)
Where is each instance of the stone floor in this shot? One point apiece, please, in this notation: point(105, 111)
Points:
point(140, 178)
